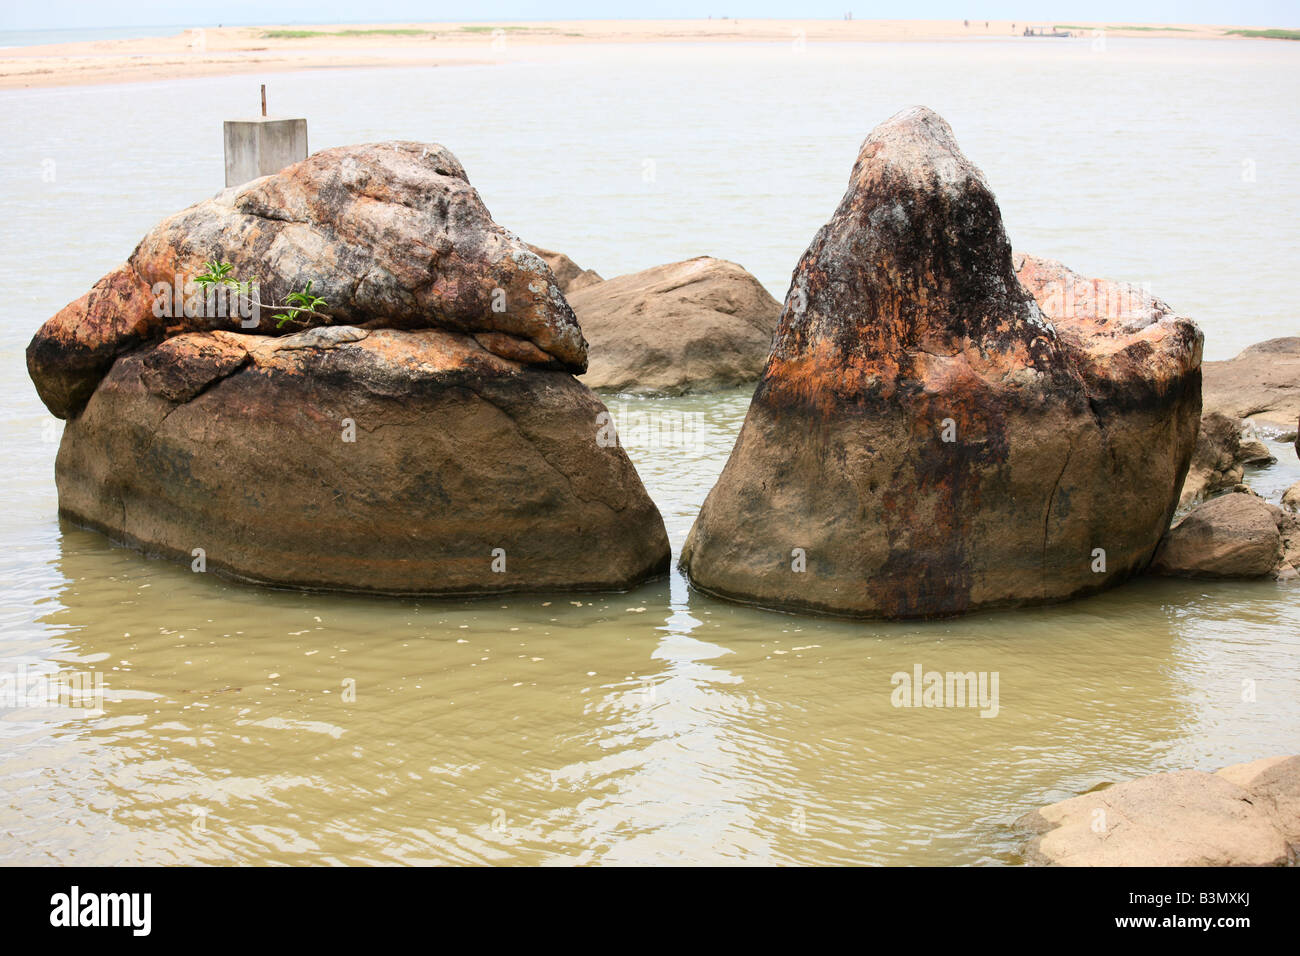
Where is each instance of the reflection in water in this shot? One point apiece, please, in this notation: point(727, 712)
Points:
point(654, 726)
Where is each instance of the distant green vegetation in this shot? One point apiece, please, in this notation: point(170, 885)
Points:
point(301, 34)
point(403, 32)
point(490, 29)
point(1268, 34)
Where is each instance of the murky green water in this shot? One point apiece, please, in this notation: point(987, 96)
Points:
point(248, 725)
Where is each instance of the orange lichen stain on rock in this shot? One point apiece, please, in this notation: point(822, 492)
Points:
point(217, 347)
point(825, 380)
point(824, 376)
point(179, 368)
point(413, 354)
point(118, 306)
point(1123, 335)
point(75, 347)
point(391, 235)
point(513, 348)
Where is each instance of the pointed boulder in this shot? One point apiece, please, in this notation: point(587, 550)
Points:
point(924, 440)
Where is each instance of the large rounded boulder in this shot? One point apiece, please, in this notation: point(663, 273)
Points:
point(924, 440)
point(692, 326)
point(420, 431)
point(1237, 535)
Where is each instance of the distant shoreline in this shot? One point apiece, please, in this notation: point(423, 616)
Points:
point(224, 51)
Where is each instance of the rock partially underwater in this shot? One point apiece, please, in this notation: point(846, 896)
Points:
point(924, 440)
point(1237, 535)
point(428, 437)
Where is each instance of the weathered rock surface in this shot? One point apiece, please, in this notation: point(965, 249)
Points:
point(1237, 535)
point(1216, 461)
point(1255, 452)
point(1108, 306)
point(1262, 383)
point(687, 326)
point(237, 444)
point(1291, 498)
point(568, 274)
point(423, 443)
point(1244, 815)
point(390, 234)
point(923, 440)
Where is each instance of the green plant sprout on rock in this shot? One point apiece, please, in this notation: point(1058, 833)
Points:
point(295, 303)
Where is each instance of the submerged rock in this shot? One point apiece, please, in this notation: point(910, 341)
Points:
point(424, 442)
point(1244, 815)
point(923, 439)
point(687, 326)
point(1262, 383)
point(1237, 535)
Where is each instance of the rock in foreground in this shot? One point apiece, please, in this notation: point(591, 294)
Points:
point(1244, 815)
point(923, 440)
point(688, 326)
point(424, 442)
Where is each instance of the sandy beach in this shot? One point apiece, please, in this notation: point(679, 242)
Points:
point(227, 51)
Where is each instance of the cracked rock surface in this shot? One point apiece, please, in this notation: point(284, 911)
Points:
point(424, 442)
point(391, 235)
point(934, 433)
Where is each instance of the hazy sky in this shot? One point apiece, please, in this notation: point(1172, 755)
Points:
point(16, 15)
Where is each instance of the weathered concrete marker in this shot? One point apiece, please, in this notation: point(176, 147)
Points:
point(261, 146)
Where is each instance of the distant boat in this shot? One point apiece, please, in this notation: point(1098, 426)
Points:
point(1046, 32)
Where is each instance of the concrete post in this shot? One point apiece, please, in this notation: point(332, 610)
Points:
point(261, 146)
